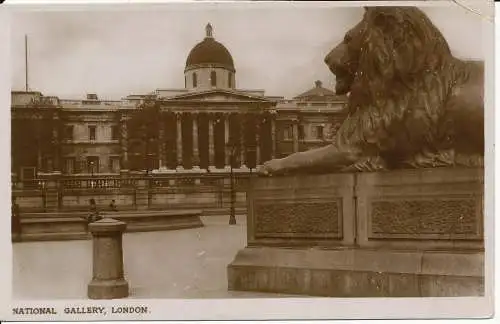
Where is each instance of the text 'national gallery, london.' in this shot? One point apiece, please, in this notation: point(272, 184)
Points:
point(210, 125)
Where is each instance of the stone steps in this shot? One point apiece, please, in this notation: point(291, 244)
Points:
point(67, 236)
point(84, 213)
point(73, 226)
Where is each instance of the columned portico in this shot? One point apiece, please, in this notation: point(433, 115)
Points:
point(211, 143)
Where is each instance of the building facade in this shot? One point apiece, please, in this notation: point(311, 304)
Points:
point(209, 125)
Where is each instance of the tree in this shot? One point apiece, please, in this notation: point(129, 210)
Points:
point(143, 135)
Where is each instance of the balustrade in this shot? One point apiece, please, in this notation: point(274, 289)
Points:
point(63, 192)
point(34, 184)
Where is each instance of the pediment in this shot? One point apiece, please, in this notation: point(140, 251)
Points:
point(219, 96)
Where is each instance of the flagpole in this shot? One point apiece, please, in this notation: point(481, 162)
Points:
point(26, 59)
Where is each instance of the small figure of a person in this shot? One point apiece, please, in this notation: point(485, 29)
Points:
point(94, 215)
point(112, 206)
point(16, 219)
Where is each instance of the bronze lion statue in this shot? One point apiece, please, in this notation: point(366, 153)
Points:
point(411, 103)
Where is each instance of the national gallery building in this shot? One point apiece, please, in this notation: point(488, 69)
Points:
point(209, 125)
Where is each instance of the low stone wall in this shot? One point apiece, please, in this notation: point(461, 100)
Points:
point(402, 233)
point(73, 226)
point(198, 191)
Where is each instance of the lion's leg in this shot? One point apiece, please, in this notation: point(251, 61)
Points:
point(432, 159)
point(470, 161)
point(325, 157)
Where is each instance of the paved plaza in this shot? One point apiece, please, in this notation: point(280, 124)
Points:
point(187, 263)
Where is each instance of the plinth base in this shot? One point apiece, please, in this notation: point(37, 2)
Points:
point(358, 272)
point(16, 237)
point(107, 289)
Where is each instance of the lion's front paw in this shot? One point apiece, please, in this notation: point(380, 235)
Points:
point(270, 167)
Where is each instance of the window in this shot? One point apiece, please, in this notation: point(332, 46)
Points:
point(92, 133)
point(288, 132)
point(92, 164)
point(28, 173)
point(195, 80)
point(69, 165)
point(114, 164)
point(115, 133)
point(319, 132)
point(68, 132)
point(213, 78)
point(230, 80)
point(47, 164)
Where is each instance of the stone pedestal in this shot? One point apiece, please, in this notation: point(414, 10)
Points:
point(142, 195)
point(51, 191)
point(412, 233)
point(108, 280)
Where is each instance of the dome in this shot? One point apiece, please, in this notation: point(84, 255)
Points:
point(209, 52)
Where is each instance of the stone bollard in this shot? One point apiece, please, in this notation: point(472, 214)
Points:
point(108, 280)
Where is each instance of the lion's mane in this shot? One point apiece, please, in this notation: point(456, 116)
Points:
point(404, 73)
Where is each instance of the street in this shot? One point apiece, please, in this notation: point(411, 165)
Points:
point(172, 264)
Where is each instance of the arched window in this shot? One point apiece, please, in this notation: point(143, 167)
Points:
point(229, 80)
point(213, 78)
point(195, 80)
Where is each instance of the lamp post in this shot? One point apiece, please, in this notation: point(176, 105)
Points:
point(149, 155)
point(232, 213)
point(92, 174)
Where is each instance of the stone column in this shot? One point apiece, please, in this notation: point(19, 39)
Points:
point(124, 143)
point(211, 146)
point(227, 149)
point(108, 280)
point(273, 138)
point(242, 141)
point(179, 141)
point(196, 153)
point(295, 132)
point(257, 141)
point(161, 142)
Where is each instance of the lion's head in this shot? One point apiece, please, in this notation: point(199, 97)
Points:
point(389, 43)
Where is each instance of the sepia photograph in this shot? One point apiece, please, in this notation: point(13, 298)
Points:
point(225, 155)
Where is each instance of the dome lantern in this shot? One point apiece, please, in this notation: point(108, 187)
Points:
point(209, 31)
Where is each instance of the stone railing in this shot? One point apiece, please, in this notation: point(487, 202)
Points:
point(156, 191)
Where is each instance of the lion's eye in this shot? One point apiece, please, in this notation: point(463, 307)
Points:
point(347, 39)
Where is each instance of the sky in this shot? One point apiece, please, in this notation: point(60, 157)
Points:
point(117, 51)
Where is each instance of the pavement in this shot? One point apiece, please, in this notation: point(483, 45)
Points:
point(188, 263)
